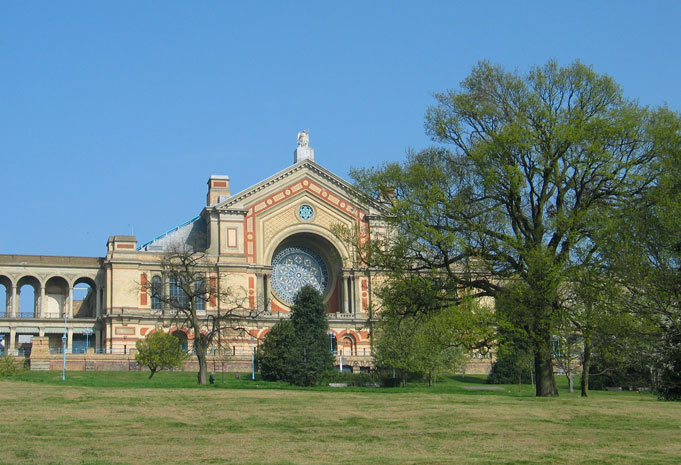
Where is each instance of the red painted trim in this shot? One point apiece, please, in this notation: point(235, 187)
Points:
point(292, 190)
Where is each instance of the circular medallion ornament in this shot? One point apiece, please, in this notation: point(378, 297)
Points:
point(293, 268)
point(305, 212)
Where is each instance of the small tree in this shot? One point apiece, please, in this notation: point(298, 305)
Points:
point(427, 344)
point(311, 354)
point(160, 351)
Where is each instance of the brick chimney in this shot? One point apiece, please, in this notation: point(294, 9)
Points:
point(218, 189)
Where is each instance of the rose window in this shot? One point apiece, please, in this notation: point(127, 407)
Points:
point(305, 212)
point(293, 268)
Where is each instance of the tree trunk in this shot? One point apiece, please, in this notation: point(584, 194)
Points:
point(404, 380)
point(152, 373)
point(586, 367)
point(543, 366)
point(201, 357)
point(430, 378)
point(570, 383)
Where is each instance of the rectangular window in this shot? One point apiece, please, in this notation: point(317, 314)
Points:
point(156, 292)
point(177, 295)
point(200, 293)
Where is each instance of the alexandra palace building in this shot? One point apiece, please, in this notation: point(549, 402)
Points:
point(262, 244)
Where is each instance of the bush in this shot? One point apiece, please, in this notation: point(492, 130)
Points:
point(351, 379)
point(510, 368)
point(617, 376)
point(8, 367)
point(669, 386)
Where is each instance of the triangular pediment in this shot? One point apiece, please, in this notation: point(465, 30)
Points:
point(307, 172)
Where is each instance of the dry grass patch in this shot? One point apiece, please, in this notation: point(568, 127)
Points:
point(47, 424)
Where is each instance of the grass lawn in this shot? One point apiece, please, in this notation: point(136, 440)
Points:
point(123, 418)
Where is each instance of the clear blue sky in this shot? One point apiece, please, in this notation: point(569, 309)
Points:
point(114, 114)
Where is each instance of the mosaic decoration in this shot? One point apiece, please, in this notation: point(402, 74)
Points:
point(305, 212)
point(293, 268)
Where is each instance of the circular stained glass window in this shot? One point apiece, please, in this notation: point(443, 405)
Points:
point(293, 268)
point(305, 212)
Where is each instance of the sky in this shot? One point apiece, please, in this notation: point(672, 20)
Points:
point(114, 114)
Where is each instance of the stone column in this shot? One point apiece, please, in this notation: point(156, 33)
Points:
point(41, 303)
point(356, 293)
point(13, 303)
point(12, 343)
point(98, 304)
point(351, 294)
point(344, 280)
point(70, 301)
point(213, 236)
point(266, 292)
point(69, 338)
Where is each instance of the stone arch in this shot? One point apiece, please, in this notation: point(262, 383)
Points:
point(310, 230)
point(56, 297)
point(318, 248)
point(181, 334)
point(348, 344)
point(5, 296)
point(28, 297)
point(84, 298)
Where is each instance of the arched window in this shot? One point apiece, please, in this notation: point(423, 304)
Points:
point(156, 292)
point(348, 345)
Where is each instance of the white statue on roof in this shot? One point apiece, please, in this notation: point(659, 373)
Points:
point(304, 138)
point(303, 151)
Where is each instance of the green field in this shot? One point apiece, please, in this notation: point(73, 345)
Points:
point(123, 418)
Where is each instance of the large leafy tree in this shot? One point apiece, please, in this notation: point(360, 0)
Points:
point(535, 163)
point(646, 256)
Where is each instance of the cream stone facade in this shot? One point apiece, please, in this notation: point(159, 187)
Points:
point(260, 244)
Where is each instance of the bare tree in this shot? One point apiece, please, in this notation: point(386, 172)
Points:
point(190, 290)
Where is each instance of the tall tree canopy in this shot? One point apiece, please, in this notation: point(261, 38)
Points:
point(644, 251)
point(533, 167)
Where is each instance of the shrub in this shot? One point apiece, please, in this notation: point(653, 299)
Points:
point(8, 367)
